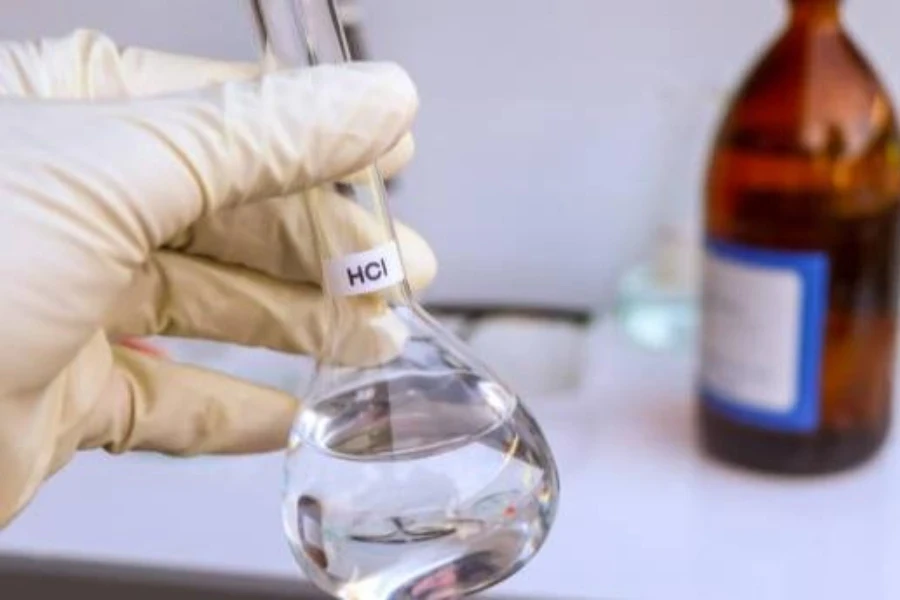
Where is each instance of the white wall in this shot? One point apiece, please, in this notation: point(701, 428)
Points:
point(569, 124)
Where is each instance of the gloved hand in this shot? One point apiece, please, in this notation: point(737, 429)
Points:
point(130, 207)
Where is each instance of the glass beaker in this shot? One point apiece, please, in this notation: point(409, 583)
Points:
point(412, 471)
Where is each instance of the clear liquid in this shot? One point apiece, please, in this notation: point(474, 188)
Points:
point(422, 487)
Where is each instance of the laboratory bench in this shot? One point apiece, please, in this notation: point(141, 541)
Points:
point(643, 514)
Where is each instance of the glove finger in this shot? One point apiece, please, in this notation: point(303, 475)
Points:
point(391, 163)
point(156, 166)
point(191, 297)
point(276, 237)
point(89, 65)
point(290, 132)
point(147, 72)
point(157, 405)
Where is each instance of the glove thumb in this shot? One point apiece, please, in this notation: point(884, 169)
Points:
point(157, 405)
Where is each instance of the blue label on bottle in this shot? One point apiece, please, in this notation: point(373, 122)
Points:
point(763, 335)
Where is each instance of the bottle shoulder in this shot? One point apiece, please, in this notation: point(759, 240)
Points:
point(814, 94)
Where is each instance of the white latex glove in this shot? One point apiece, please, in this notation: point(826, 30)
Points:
point(131, 208)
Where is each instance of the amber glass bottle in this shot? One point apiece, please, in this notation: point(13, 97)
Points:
point(801, 270)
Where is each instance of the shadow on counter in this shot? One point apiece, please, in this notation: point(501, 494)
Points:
point(25, 578)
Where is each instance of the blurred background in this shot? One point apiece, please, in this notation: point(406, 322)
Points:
point(561, 148)
point(571, 128)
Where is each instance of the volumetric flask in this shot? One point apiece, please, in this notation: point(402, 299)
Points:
point(412, 472)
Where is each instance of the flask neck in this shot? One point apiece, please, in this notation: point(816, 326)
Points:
point(815, 12)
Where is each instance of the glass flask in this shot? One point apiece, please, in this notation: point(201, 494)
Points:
point(412, 471)
point(801, 264)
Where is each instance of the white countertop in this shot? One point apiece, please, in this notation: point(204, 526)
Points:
point(643, 514)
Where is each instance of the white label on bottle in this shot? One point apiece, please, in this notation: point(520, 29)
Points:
point(764, 317)
point(751, 333)
point(364, 272)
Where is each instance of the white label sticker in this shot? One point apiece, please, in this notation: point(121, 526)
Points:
point(751, 333)
point(364, 272)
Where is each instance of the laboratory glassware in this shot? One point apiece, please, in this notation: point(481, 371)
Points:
point(658, 299)
point(412, 471)
point(801, 264)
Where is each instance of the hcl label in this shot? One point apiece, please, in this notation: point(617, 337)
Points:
point(364, 272)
